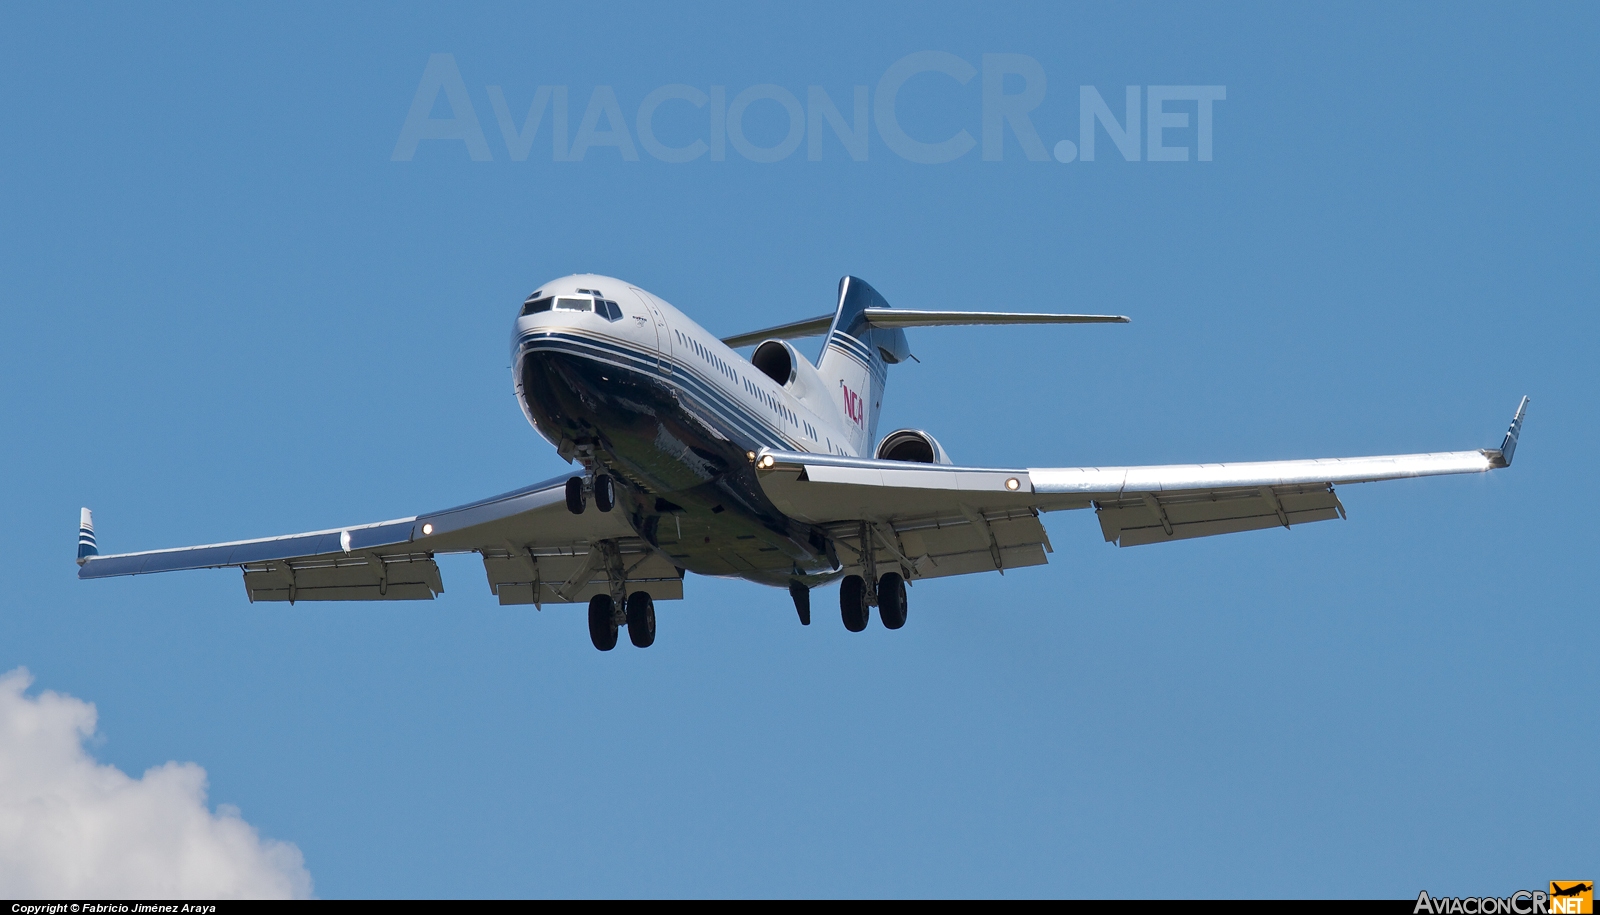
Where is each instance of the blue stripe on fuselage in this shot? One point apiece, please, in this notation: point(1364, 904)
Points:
point(682, 377)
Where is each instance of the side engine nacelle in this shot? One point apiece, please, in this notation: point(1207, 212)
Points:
point(913, 445)
point(780, 361)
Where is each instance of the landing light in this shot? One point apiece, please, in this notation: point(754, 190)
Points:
point(750, 455)
point(1012, 484)
point(427, 529)
point(766, 461)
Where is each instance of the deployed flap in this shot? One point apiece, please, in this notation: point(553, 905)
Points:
point(927, 520)
point(1139, 518)
point(409, 576)
point(555, 575)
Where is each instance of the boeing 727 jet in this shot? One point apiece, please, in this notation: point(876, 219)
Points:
point(695, 459)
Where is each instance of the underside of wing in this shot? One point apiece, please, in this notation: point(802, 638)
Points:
point(534, 551)
point(932, 520)
point(922, 512)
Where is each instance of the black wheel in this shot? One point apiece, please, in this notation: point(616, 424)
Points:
point(575, 495)
point(641, 619)
point(604, 495)
point(602, 628)
point(892, 600)
point(853, 603)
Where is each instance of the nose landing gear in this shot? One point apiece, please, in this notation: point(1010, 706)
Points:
point(604, 489)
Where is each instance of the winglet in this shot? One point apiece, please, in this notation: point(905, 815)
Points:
point(86, 545)
point(1508, 446)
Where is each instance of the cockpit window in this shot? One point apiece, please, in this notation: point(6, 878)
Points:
point(597, 305)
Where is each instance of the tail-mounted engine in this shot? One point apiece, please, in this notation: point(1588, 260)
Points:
point(912, 445)
point(780, 361)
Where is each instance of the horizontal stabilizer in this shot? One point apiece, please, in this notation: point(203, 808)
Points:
point(810, 327)
point(908, 317)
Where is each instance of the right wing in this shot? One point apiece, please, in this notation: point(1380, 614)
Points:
point(935, 520)
point(534, 551)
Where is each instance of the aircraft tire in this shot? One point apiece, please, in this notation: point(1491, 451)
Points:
point(602, 627)
point(605, 494)
point(575, 495)
point(892, 600)
point(641, 619)
point(853, 603)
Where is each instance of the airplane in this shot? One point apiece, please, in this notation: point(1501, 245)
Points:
point(1577, 889)
point(767, 469)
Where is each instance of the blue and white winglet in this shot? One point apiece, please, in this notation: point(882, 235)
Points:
point(86, 544)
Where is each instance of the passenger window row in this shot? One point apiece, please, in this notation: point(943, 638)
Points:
point(774, 403)
point(704, 352)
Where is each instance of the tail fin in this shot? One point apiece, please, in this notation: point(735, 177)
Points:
point(855, 360)
point(86, 544)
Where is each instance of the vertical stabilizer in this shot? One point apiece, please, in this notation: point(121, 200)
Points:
point(854, 362)
point(86, 544)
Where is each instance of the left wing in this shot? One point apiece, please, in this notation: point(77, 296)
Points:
point(534, 551)
point(939, 520)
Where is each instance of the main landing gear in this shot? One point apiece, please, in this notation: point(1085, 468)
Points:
point(639, 616)
point(855, 602)
point(857, 594)
point(605, 493)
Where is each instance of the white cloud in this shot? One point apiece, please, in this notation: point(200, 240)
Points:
point(70, 826)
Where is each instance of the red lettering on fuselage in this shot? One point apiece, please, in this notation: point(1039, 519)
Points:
point(854, 406)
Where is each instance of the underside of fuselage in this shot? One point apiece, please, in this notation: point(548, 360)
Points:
point(687, 486)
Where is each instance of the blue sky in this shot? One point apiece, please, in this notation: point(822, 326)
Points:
point(230, 313)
